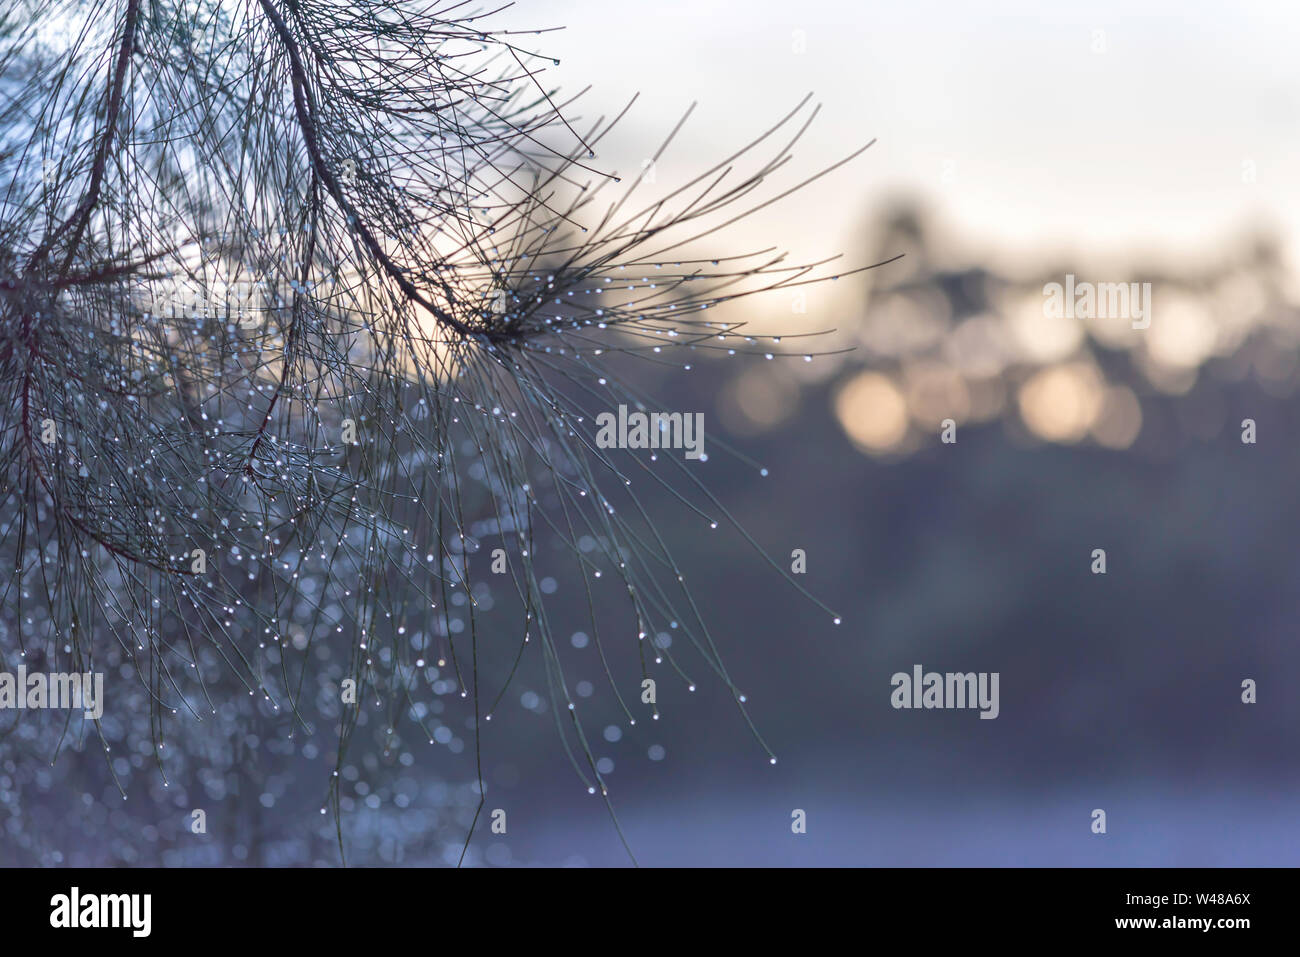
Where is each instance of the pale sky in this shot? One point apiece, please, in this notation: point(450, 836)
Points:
point(1001, 113)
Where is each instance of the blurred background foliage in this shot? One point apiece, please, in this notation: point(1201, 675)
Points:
point(1119, 691)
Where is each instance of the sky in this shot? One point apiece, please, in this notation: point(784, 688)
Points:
point(1129, 129)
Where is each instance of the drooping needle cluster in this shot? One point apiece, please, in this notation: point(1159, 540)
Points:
point(302, 303)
